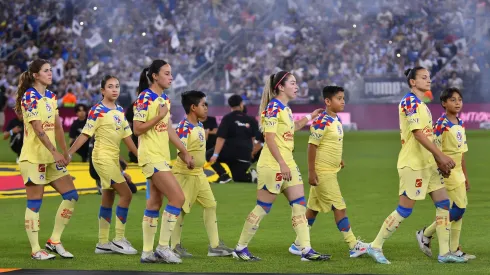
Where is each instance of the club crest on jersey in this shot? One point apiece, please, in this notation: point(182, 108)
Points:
point(118, 122)
point(291, 117)
point(48, 107)
point(459, 138)
point(201, 137)
point(339, 129)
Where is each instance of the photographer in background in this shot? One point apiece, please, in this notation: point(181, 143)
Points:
point(234, 144)
point(15, 131)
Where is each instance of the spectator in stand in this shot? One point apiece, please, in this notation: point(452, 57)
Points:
point(455, 81)
point(69, 99)
point(76, 129)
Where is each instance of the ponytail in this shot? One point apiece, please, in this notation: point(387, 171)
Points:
point(267, 96)
point(26, 80)
point(143, 84)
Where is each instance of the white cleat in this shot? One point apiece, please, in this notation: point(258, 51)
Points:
point(42, 255)
point(59, 249)
point(149, 258)
point(358, 250)
point(465, 256)
point(424, 242)
point(123, 246)
point(165, 254)
point(104, 248)
point(295, 249)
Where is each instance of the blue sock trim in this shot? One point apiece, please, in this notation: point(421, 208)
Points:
point(311, 221)
point(300, 201)
point(343, 225)
point(404, 212)
point(172, 210)
point(265, 205)
point(152, 213)
point(71, 195)
point(122, 214)
point(105, 213)
point(34, 205)
point(456, 213)
point(444, 204)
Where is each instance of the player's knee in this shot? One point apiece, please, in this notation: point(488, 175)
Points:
point(34, 205)
point(265, 205)
point(444, 204)
point(177, 200)
point(70, 195)
point(126, 198)
point(456, 213)
point(404, 211)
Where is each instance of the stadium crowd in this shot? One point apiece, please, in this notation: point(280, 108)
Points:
point(321, 42)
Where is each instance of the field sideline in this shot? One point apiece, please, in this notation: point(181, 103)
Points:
point(369, 184)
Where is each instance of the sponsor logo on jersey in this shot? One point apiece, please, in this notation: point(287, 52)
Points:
point(161, 127)
point(48, 126)
point(288, 136)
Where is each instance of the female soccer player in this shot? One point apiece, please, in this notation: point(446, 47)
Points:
point(107, 122)
point(418, 164)
point(153, 126)
point(450, 135)
point(40, 163)
point(278, 172)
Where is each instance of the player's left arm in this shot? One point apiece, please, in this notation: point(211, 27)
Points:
point(299, 124)
point(174, 138)
point(60, 136)
point(131, 146)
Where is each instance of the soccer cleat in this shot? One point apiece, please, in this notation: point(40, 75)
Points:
point(123, 246)
point(424, 242)
point(225, 178)
point(467, 256)
point(104, 248)
point(59, 249)
point(295, 250)
point(244, 255)
point(181, 252)
point(42, 255)
point(166, 255)
point(220, 251)
point(358, 250)
point(377, 255)
point(312, 255)
point(451, 258)
point(148, 258)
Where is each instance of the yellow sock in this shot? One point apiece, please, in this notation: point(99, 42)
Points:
point(443, 228)
point(63, 215)
point(121, 215)
point(169, 218)
point(350, 238)
point(455, 233)
point(150, 224)
point(32, 224)
point(175, 239)
point(211, 225)
point(251, 225)
point(300, 225)
point(430, 230)
point(105, 216)
point(389, 226)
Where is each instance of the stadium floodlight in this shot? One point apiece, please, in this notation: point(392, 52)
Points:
point(143, 33)
point(354, 26)
point(95, 8)
point(81, 23)
point(390, 41)
point(110, 40)
point(398, 55)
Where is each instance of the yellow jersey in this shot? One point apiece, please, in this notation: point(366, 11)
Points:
point(42, 108)
point(193, 138)
point(153, 146)
point(278, 119)
point(414, 115)
point(326, 132)
point(109, 127)
point(451, 139)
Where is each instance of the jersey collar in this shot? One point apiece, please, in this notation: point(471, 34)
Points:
point(460, 122)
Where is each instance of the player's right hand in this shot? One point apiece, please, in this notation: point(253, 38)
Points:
point(16, 129)
point(285, 172)
point(162, 110)
point(59, 159)
point(189, 160)
point(312, 178)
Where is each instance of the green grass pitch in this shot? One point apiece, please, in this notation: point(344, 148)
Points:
point(369, 184)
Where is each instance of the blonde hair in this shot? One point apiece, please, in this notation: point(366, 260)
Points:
point(271, 91)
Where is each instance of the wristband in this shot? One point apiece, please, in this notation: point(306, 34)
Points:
point(123, 172)
point(215, 155)
point(308, 117)
point(11, 133)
